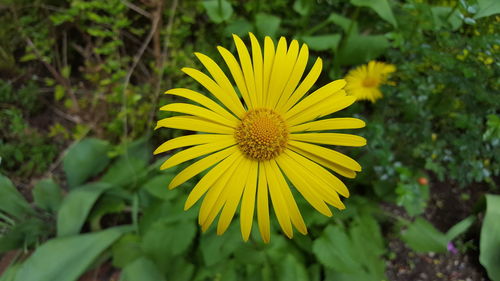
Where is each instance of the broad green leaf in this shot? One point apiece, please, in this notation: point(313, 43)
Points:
point(107, 204)
point(489, 242)
point(422, 236)
point(162, 241)
point(381, 7)
point(76, 207)
point(459, 228)
point(240, 27)
point(47, 195)
point(126, 250)
point(66, 258)
point(157, 187)
point(11, 201)
point(487, 8)
point(142, 269)
point(180, 270)
point(344, 23)
point(292, 270)
point(129, 167)
point(353, 255)
point(322, 42)
point(360, 49)
point(218, 10)
point(24, 234)
point(84, 160)
point(267, 25)
point(214, 249)
point(303, 7)
point(10, 273)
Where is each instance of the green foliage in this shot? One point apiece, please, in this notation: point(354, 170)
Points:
point(490, 237)
point(47, 195)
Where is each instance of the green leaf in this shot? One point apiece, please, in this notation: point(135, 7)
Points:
point(84, 160)
point(487, 8)
point(24, 234)
point(47, 195)
point(128, 168)
point(10, 273)
point(443, 18)
point(412, 196)
point(292, 270)
point(214, 249)
point(489, 242)
point(303, 7)
point(359, 49)
point(157, 187)
point(142, 269)
point(11, 201)
point(66, 258)
point(343, 22)
point(459, 228)
point(76, 207)
point(322, 42)
point(381, 7)
point(267, 25)
point(218, 10)
point(162, 241)
point(422, 236)
point(240, 27)
point(126, 250)
point(355, 255)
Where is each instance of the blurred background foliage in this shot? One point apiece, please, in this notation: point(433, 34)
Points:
point(80, 84)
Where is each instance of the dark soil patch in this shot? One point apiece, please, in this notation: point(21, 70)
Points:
point(448, 205)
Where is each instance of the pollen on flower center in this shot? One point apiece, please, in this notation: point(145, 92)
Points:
point(262, 134)
point(371, 82)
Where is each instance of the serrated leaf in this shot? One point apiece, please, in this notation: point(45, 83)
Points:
point(489, 242)
point(267, 25)
point(218, 10)
point(84, 160)
point(422, 237)
point(47, 195)
point(11, 201)
point(322, 42)
point(381, 7)
point(66, 258)
point(76, 207)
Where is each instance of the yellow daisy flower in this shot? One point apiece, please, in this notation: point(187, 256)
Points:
point(256, 142)
point(364, 81)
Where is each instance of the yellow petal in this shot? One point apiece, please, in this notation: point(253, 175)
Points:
point(297, 72)
point(233, 196)
point(327, 106)
point(268, 65)
point(279, 204)
point(279, 74)
point(202, 100)
point(293, 210)
point(329, 124)
point(237, 74)
point(248, 201)
point(215, 89)
point(211, 177)
point(328, 154)
point(221, 79)
point(246, 66)
point(263, 206)
point(190, 140)
point(318, 171)
point(306, 84)
point(316, 97)
point(330, 138)
point(195, 152)
point(192, 123)
point(199, 112)
point(296, 176)
point(348, 173)
point(258, 65)
point(200, 165)
point(216, 197)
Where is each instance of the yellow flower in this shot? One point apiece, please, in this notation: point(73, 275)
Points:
point(364, 81)
point(256, 142)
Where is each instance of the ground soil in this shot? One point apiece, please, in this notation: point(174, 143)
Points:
point(448, 205)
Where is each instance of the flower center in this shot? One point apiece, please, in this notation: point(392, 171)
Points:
point(262, 134)
point(371, 82)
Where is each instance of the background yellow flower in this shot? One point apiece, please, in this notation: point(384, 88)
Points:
point(364, 81)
